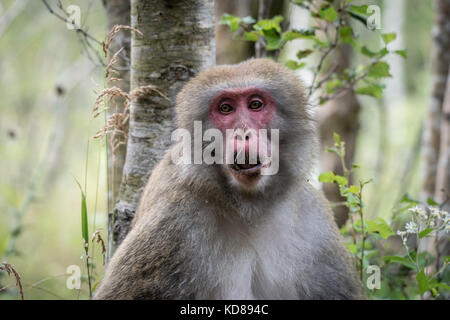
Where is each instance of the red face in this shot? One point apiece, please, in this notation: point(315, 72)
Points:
point(249, 110)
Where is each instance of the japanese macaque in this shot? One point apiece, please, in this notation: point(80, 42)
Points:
point(228, 230)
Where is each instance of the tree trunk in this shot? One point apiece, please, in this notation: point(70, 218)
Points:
point(435, 150)
point(393, 21)
point(117, 13)
point(230, 50)
point(440, 61)
point(442, 192)
point(177, 42)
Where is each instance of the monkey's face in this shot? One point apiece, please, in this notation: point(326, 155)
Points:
point(258, 111)
point(243, 115)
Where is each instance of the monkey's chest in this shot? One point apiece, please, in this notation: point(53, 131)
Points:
point(258, 271)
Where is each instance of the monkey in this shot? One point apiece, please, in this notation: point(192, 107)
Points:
point(226, 231)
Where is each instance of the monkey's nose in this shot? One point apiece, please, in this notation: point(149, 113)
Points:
point(246, 136)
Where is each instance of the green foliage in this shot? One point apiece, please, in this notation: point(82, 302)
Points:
point(332, 28)
point(404, 276)
point(85, 236)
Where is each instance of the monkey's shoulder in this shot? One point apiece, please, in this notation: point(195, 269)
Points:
point(151, 263)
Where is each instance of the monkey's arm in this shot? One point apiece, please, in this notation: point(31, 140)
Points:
point(147, 265)
point(334, 273)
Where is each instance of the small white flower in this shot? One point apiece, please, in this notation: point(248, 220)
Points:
point(419, 211)
point(401, 233)
point(414, 209)
point(411, 227)
point(432, 224)
point(434, 212)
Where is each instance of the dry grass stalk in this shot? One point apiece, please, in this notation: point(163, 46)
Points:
point(117, 123)
point(113, 60)
point(9, 269)
point(97, 237)
point(112, 33)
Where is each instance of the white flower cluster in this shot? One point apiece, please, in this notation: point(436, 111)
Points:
point(425, 218)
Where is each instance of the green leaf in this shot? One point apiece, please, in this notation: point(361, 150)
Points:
point(380, 54)
point(84, 219)
point(231, 21)
point(342, 181)
point(361, 10)
point(354, 189)
point(379, 70)
point(365, 51)
point(327, 177)
point(404, 261)
point(337, 139)
point(425, 259)
point(402, 53)
point(304, 53)
point(268, 24)
point(407, 199)
point(441, 286)
point(383, 52)
point(351, 247)
point(328, 14)
point(372, 90)
point(422, 282)
point(294, 65)
point(388, 37)
point(431, 202)
point(332, 85)
point(346, 35)
point(380, 226)
point(299, 34)
point(251, 36)
point(425, 232)
point(273, 38)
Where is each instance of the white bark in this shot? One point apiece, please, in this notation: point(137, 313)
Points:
point(178, 42)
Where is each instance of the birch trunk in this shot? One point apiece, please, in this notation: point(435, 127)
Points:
point(177, 42)
point(435, 152)
point(442, 192)
point(440, 61)
point(117, 13)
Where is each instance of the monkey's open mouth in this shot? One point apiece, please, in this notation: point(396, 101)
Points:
point(247, 173)
point(246, 168)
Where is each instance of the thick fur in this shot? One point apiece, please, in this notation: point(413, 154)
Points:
point(198, 236)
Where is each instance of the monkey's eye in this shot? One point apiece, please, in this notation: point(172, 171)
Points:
point(225, 108)
point(255, 105)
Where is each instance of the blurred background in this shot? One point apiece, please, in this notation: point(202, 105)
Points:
point(48, 79)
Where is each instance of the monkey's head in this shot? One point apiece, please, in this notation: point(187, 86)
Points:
point(259, 109)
